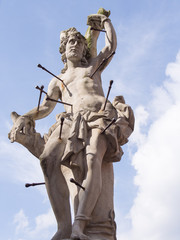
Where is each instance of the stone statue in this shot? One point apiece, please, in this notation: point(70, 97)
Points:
point(84, 151)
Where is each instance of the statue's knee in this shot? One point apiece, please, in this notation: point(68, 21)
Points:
point(94, 166)
point(93, 160)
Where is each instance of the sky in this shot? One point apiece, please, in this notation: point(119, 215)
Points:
point(145, 70)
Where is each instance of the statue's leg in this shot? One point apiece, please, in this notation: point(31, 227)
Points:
point(95, 151)
point(56, 184)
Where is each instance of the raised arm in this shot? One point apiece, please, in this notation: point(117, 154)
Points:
point(92, 33)
point(110, 38)
point(99, 21)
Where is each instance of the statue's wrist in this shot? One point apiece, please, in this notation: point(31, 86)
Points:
point(30, 119)
point(27, 116)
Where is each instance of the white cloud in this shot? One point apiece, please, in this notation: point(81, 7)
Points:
point(142, 115)
point(154, 214)
point(45, 221)
point(21, 221)
point(45, 226)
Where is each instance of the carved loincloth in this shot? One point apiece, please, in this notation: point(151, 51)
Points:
point(80, 125)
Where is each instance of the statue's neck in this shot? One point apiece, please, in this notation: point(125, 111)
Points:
point(73, 64)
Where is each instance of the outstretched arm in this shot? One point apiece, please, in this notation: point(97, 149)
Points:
point(24, 125)
point(110, 43)
point(47, 106)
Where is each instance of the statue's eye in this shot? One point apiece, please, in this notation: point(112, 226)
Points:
point(72, 41)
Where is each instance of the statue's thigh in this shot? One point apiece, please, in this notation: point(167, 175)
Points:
point(97, 144)
point(55, 146)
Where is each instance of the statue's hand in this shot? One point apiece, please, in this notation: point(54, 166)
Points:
point(96, 21)
point(23, 126)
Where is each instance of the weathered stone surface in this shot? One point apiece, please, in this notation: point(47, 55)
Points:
point(81, 151)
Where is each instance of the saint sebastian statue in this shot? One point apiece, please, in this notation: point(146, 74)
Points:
point(84, 151)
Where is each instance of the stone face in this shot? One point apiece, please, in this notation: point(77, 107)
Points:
point(78, 148)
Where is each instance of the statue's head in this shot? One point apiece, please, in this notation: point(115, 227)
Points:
point(67, 37)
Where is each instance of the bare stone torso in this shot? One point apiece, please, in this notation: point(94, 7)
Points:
point(83, 92)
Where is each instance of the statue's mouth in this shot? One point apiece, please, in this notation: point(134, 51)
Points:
point(73, 49)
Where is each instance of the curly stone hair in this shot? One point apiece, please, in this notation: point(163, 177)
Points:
point(64, 36)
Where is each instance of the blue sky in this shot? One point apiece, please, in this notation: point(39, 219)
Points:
point(145, 70)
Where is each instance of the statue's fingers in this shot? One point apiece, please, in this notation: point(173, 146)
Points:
point(15, 134)
point(32, 130)
point(11, 136)
point(18, 131)
point(25, 130)
point(20, 137)
point(20, 128)
point(12, 140)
